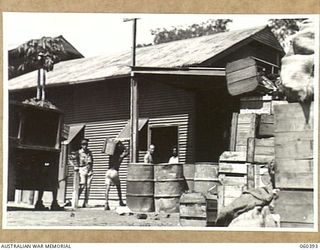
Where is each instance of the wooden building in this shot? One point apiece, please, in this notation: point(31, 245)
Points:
point(183, 98)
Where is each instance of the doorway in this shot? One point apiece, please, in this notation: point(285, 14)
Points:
point(164, 139)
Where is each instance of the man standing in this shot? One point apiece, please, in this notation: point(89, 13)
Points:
point(85, 163)
point(148, 158)
point(174, 158)
point(112, 175)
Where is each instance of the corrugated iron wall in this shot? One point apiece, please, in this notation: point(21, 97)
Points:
point(104, 108)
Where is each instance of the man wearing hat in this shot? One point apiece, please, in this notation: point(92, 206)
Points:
point(85, 163)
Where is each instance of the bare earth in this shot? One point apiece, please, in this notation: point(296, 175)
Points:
point(94, 217)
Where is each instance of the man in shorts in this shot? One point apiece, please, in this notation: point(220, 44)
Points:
point(112, 175)
point(85, 163)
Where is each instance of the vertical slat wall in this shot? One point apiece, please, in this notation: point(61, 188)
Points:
point(104, 108)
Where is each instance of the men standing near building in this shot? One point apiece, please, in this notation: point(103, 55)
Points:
point(112, 175)
point(85, 163)
point(148, 158)
point(174, 158)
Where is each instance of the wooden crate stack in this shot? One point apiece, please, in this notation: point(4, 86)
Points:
point(294, 164)
point(251, 149)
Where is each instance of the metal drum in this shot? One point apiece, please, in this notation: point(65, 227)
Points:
point(188, 172)
point(205, 176)
point(169, 185)
point(140, 187)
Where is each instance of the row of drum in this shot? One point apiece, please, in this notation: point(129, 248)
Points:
point(159, 187)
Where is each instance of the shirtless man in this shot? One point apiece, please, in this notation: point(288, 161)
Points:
point(112, 175)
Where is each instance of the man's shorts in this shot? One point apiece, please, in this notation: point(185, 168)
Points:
point(86, 175)
point(112, 177)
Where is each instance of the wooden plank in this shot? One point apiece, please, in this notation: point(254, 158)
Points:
point(233, 180)
point(193, 210)
point(266, 119)
point(294, 166)
point(232, 156)
point(251, 176)
point(285, 224)
point(243, 86)
point(295, 206)
point(240, 148)
point(246, 118)
point(266, 142)
point(240, 64)
point(263, 158)
point(241, 74)
point(233, 133)
point(295, 149)
point(264, 151)
point(250, 149)
point(235, 168)
point(294, 180)
point(293, 117)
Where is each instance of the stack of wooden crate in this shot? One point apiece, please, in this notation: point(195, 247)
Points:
point(294, 164)
point(251, 149)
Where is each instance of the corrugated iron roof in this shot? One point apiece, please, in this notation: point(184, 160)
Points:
point(181, 53)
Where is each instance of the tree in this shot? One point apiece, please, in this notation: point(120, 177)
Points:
point(38, 54)
point(212, 26)
point(283, 28)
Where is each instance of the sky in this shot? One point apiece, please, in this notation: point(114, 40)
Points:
point(95, 34)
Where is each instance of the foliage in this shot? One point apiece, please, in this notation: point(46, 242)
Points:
point(212, 26)
point(283, 28)
point(39, 53)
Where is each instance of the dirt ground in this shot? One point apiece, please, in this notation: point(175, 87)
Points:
point(93, 217)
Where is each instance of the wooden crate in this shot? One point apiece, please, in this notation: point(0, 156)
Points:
point(295, 208)
point(260, 150)
point(255, 104)
point(242, 76)
point(193, 210)
point(233, 168)
point(243, 127)
point(227, 194)
point(266, 126)
point(262, 177)
point(294, 146)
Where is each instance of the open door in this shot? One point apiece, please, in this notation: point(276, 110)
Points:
point(164, 139)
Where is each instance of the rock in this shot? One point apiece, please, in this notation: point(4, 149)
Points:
point(142, 216)
point(123, 211)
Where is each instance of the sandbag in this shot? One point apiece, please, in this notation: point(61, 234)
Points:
point(297, 77)
point(247, 201)
point(297, 70)
point(256, 217)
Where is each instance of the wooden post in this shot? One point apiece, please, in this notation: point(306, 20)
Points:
point(75, 195)
point(134, 112)
point(39, 85)
point(43, 90)
point(233, 134)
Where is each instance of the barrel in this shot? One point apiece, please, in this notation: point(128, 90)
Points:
point(188, 172)
point(205, 176)
point(212, 209)
point(168, 187)
point(193, 210)
point(140, 187)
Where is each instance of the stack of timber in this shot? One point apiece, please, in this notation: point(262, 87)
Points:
point(294, 164)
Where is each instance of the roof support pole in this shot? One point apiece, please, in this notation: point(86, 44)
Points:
point(134, 111)
point(134, 117)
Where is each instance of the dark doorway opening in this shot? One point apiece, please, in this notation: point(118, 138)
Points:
point(164, 139)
